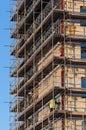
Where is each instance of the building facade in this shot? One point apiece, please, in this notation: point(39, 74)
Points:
point(49, 75)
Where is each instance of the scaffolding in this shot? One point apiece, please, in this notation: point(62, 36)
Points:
point(47, 64)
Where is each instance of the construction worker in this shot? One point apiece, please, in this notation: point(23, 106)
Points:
point(58, 104)
point(52, 105)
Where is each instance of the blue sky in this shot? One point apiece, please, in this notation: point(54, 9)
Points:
point(4, 63)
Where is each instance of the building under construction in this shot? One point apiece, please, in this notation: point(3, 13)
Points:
point(48, 84)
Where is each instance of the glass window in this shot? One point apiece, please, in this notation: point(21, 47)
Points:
point(83, 10)
point(83, 85)
point(84, 125)
point(83, 51)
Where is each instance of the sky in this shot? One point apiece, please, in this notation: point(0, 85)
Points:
point(4, 63)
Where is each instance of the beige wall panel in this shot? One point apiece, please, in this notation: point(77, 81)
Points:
point(72, 125)
point(43, 113)
point(80, 30)
point(77, 5)
point(47, 58)
point(75, 29)
point(58, 125)
point(73, 6)
point(77, 51)
point(75, 103)
point(73, 78)
point(50, 82)
point(73, 51)
point(69, 103)
point(69, 125)
point(45, 62)
point(70, 78)
point(81, 104)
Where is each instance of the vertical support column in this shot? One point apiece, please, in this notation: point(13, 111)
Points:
point(63, 71)
point(61, 24)
point(63, 96)
point(61, 4)
point(25, 74)
point(42, 75)
point(34, 69)
point(53, 96)
point(18, 62)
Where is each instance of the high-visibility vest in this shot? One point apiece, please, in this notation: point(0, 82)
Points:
point(52, 103)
